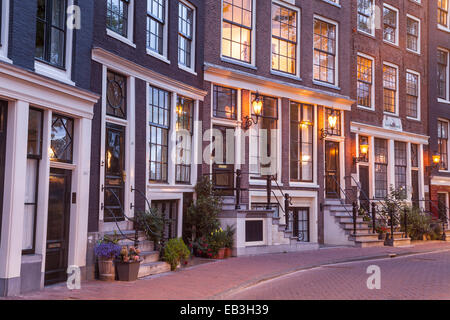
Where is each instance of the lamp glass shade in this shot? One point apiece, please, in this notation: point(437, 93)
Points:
point(257, 106)
point(363, 148)
point(332, 121)
point(436, 158)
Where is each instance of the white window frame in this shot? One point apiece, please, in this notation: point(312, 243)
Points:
point(448, 145)
point(336, 56)
point(63, 75)
point(164, 56)
point(4, 12)
point(130, 28)
point(333, 2)
point(397, 107)
point(385, 5)
point(447, 94)
point(447, 27)
point(419, 38)
point(372, 20)
point(419, 94)
point(190, 69)
point(252, 64)
point(295, 76)
point(372, 102)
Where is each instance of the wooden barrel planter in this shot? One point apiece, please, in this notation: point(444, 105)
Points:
point(106, 269)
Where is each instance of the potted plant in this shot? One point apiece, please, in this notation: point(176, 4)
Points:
point(229, 241)
point(218, 242)
point(105, 251)
point(128, 263)
point(175, 252)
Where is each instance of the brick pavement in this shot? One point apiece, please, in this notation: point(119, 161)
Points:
point(220, 279)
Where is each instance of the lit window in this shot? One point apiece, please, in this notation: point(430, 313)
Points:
point(284, 39)
point(336, 131)
point(390, 89)
point(412, 94)
point(225, 103)
point(381, 166)
point(117, 16)
point(184, 129)
point(301, 142)
point(185, 35)
point(413, 31)
point(443, 144)
point(51, 32)
point(390, 25)
point(442, 13)
point(365, 78)
point(365, 16)
point(237, 29)
point(159, 121)
point(156, 22)
point(442, 74)
point(324, 51)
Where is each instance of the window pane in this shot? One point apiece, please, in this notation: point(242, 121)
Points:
point(61, 139)
point(324, 51)
point(35, 133)
point(225, 102)
point(116, 95)
point(184, 128)
point(117, 16)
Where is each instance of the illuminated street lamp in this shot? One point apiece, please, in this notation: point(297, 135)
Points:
point(257, 105)
point(332, 124)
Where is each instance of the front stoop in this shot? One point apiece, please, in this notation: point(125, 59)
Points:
point(447, 236)
point(398, 240)
point(366, 240)
point(150, 264)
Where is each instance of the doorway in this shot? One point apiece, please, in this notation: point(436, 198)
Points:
point(56, 259)
point(3, 117)
point(223, 172)
point(364, 199)
point(332, 170)
point(301, 224)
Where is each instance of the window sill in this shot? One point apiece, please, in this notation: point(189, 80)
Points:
point(365, 108)
point(440, 100)
point(442, 28)
point(393, 44)
point(332, 3)
point(303, 184)
point(239, 63)
point(286, 75)
point(53, 73)
point(324, 84)
point(117, 36)
point(187, 69)
point(417, 53)
point(391, 114)
point(4, 58)
point(413, 119)
point(370, 35)
point(157, 56)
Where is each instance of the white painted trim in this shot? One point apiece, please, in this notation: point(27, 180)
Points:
point(419, 97)
point(190, 69)
point(385, 5)
point(419, 39)
point(63, 75)
point(4, 12)
point(333, 3)
point(372, 102)
point(130, 28)
point(447, 27)
point(124, 66)
point(164, 55)
point(365, 129)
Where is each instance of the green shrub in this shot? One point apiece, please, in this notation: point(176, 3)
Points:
point(419, 223)
point(175, 251)
point(229, 241)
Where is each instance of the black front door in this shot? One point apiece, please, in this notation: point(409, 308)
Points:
point(332, 175)
point(364, 183)
point(3, 116)
point(223, 170)
point(114, 173)
point(58, 226)
point(415, 187)
point(300, 221)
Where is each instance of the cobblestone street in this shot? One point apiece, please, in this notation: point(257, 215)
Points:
point(411, 274)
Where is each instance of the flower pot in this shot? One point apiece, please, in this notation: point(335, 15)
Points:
point(106, 269)
point(228, 252)
point(220, 254)
point(127, 271)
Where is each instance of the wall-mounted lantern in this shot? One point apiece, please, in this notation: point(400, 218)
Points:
point(257, 105)
point(363, 151)
point(332, 123)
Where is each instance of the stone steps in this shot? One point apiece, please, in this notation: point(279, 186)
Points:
point(364, 237)
point(150, 256)
point(152, 268)
point(397, 242)
point(144, 246)
point(369, 243)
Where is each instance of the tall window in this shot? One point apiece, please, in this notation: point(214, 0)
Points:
point(442, 13)
point(263, 145)
point(51, 32)
point(116, 104)
point(390, 88)
point(34, 155)
point(301, 142)
point(117, 16)
point(443, 144)
point(159, 121)
point(237, 29)
point(412, 95)
point(185, 34)
point(156, 20)
point(324, 51)
point(381, 165)
point(390, 25)
point(412, 34)
point(365, 78)
point(400, 167)
point(225, 103)
point(442, 74)
point(184, 128)
point(284, 39)
point(365, 16)
point(61, 148)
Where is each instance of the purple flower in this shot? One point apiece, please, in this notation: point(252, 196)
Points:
point(107, 250)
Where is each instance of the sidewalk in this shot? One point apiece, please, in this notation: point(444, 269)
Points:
point(218, 279)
